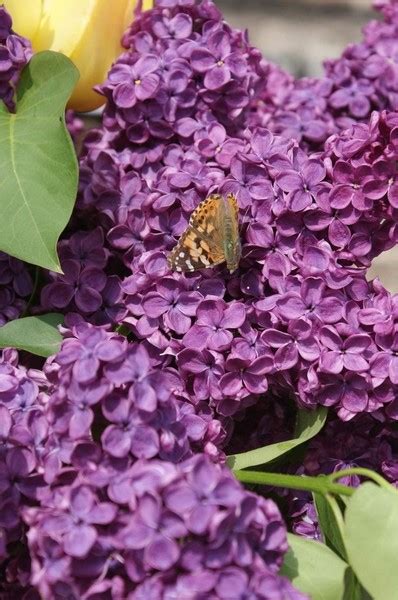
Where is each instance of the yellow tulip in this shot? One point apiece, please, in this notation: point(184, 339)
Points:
point(87, 31)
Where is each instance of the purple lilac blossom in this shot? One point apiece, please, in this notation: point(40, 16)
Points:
point(16, 286)
point(363, 79)
point(15, 52)
point(309, 230)
point(24, 432)
point(155, 528)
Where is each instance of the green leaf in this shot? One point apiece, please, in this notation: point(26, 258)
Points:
point(37, 335)
point(372, 539)
point(309, 423)
point(331, 523)
point(314, 569)
point(352, 588)
point(38, 165)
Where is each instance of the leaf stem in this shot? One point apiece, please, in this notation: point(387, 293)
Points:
point(33, 294)
point(320, 484)
point(365, 473)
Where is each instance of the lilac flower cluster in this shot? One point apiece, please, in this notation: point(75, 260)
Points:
point(300, 317)
point(23, 436)
point(105, 388)
point(363, 79)
point(85, 286)
point(155, 530)
point(16, 286)
point(15, 52)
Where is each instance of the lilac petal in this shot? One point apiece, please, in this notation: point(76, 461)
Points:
point(309, 349)
point(116, 442)
point(290, 181)
point(200, 518)
point(276, 338)
point(155, 304)
point(138, 534)
point(192, 361)
point(217, 77)
point(312, 289)
point(331, 362)
point(330, 338)
point(330, 310)
point(202, 60)
point(313, 172)
point(393, 370)
point(357, 343)
point(393, 195)
point(236, 64)
point(340, 196)
point(147, 87)
point(181, 499)
point(291, 306)
point(339, 233)
point(355, 400)
point(300, 200)
point(162, 553)
point(220, 340)
point(176, 321)
point(355, 363)
point(85, 370)
point(255, 384)
point(234, 316)
point(231, 384)
point(197, 337)
point(145, 396)
point(124, 95)
point(88, 300)
point(144, 442)
point(286, 357)
point(79, 540)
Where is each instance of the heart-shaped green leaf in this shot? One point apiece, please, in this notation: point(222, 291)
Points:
point(309, 423)
point(38, 335)
point(38, 165)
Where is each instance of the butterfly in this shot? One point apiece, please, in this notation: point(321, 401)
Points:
point(211, 238)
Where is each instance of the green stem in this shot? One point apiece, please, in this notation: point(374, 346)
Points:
point(321, 484)
point(33, 294)
point(365, 473)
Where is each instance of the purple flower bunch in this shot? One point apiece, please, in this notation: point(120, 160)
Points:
point(23, 436)
point(85, 285)
point(106, 389)
point(155, 530)
point(15, 286)
point(15, 52)
point(299, 317)
point(362, 80)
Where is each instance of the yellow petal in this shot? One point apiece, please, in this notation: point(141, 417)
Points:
point(87, 31)
point(25, 16)
point(96, 51)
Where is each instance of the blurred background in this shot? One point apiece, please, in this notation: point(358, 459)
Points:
point(299, 35)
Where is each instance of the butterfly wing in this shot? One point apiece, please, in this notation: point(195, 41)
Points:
point(201, 245)
point(233, 248)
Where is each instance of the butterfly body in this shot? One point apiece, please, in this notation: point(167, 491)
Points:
point(211, 238)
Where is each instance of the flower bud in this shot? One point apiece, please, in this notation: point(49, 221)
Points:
point(87, 32)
